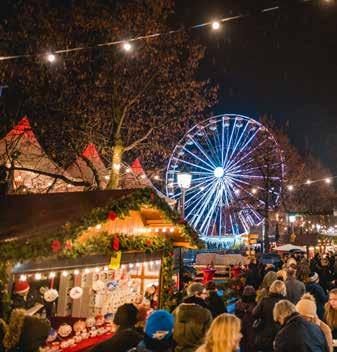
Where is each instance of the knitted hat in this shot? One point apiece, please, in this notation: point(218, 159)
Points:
point(159, 325)
point(126, 315)
point(306, 306)
point(313, 277)
point(249, 291)
point(21, 287)
point(194, 288)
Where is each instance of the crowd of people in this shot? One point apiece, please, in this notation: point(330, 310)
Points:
point(283, 307)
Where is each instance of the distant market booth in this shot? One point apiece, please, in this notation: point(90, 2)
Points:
point(86, 253)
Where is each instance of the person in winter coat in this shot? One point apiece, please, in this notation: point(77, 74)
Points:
point(263, 313)
point(295, 288)
point(24, 296)
point(252, 276)
point(126, 336)
point(214, 301)
point(268, 279)
point(330, 316)
point(244, 310)
point(325, 274)
point(306, 306)
point(158, 333)
point(192, 319)
point(223, 336)
point(318, 292)
point(296, 333)
point(25, 333)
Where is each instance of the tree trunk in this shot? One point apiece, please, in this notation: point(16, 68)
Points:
point(117, 154)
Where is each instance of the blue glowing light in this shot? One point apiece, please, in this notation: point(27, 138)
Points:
point(228, 156)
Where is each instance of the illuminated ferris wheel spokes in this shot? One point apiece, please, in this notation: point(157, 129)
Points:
point(227, 156)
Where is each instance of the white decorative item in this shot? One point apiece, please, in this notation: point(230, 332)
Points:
point(65, 330)
point(98, 285)
point(76, 292)
point(50, 295)
point(90, 322)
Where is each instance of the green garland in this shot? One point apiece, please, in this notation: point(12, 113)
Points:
point(63, 243)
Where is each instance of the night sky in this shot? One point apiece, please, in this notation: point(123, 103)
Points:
point(282, 63)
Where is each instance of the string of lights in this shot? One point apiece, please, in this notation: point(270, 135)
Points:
point(127, 45)
point(308, 182)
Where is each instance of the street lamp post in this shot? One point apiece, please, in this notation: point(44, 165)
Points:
point(184, 180)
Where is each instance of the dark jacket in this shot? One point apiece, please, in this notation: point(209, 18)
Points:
point(244, 311)
point(295, 290)
point(216, 304)
point(299, 335)
point(148, 345)
point(122, 341)
point(252, 277)
point(320, 297)
point(32, 298)
point(267, 331)
point(325, 276)
point(191, 321)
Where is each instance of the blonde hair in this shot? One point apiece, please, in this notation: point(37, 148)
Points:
point(279, 287)
point(330, 313)
point(223, 335)
point(282, 310)
point(14, 328)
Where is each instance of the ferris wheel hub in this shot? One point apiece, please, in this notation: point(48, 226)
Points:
point(219, 172)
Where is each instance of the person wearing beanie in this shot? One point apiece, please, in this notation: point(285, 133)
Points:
point(192, 318)
point(313, 286)
point(295, 288)
point(24, 296)
point(244, 310)
point(126, 335)
point(214, 301)
point(307, 308)
point(158, 333)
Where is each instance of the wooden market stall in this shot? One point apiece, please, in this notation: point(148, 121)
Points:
point(89, 252)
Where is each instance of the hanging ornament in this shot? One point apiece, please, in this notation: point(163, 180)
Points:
point(56, 246)
point(68, 245)
point(50, 295)
point(65, 330)
point(152, 196)
point(115, 244)
point(98, 285)
point(112, 215)
point(148, 243)
point(112, 285)
point(76, 292)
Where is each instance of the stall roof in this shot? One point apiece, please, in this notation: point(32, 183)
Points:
point(41, 215)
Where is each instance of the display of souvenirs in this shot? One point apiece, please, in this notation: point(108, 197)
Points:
point(50, 295)
point(65, 330)
point(79, 326)
point(76, 292)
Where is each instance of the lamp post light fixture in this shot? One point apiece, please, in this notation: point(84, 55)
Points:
point(184, 180)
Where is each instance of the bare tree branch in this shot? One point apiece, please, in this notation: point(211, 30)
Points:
point(134, 144)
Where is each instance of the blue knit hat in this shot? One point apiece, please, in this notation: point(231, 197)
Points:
point(159, 325)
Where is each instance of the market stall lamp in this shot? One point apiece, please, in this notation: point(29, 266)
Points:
point(328, 180)
point(76, 272)
point(52, 275)
point(65, 273)
point(23, 277)
point(290, 188)
point(308, 182)
point(38, 276)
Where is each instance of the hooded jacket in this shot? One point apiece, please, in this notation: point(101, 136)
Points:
point(191, 321)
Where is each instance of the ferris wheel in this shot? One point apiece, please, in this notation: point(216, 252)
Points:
point(237, 171)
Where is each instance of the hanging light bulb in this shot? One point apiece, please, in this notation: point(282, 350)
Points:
point(308, 182)
point(127, 46)
point(98, 226)
point(87, 271)
point(97, 270)
point(290, 188)
point(215, 25)
point(23, 277)
point(51, 58)
point(76, 272)
point(65, 273)
point(106, 268)
point(328, 180)
point(52, 275)
point(38, 276)
point(254, 190)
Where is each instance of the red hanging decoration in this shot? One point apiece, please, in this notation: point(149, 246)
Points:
point(148, 243)
point(152, 196)
point(112, 215)
point(115, 244)
point(56, 246)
